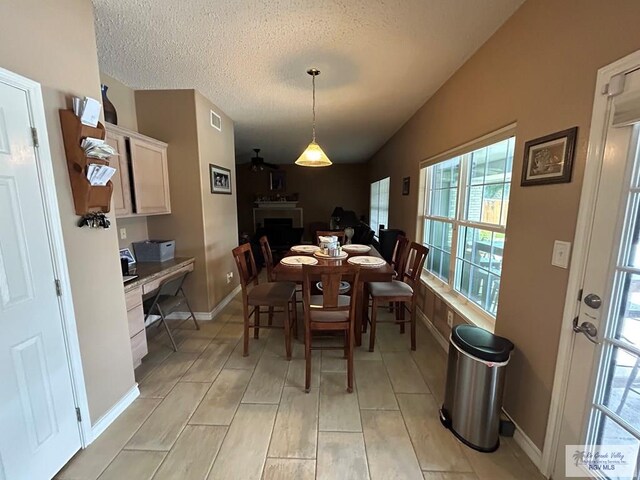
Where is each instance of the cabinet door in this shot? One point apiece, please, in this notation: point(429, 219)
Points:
point(150, 177)
point(121, 185)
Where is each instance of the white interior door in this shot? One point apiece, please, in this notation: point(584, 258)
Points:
point(603, 397)
point(39, 431)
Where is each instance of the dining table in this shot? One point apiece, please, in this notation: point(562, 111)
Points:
point(383, 273)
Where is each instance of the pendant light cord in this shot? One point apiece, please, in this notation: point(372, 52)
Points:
point(313, 82)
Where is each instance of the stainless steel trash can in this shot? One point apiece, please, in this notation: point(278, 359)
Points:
point(475, 381)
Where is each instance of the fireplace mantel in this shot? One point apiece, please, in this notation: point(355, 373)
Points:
point(269, 210)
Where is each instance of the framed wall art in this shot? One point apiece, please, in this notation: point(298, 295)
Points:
point(220, 178)
point(549, 159)
point(406, 184)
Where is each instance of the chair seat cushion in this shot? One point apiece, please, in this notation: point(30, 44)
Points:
point(394, 288)
point(324, 316)
point(272, 293)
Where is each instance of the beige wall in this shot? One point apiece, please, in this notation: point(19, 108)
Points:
point(219, 212)
point(319, 190)
point(170, 116)
point(203, 225)
point(137, 231)
point(123, 99)
point(39, 44)
point(539, 69)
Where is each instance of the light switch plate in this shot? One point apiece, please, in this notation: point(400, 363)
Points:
point(123, 233)
point(561, 254)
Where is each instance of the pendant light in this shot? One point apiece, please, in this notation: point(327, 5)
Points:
point(313, 156)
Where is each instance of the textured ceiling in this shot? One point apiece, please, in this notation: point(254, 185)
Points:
point(380, 61)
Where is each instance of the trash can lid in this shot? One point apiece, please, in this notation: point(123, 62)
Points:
point(481, 343)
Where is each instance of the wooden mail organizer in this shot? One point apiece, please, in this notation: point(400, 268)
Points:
point(150, 276)
point(87, 198)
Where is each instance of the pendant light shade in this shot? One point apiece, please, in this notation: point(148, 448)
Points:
point(313, 156)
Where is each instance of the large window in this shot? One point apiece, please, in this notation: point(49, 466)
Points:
point(379, 205)
point(466, 199)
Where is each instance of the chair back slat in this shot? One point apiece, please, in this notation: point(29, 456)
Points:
point(268, 257)
point(414, 262)
point(246, 266)
point(399, 254)
point(328, 233)
point(330, 276)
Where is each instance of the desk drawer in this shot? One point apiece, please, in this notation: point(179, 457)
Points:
point(139, 347)
point(135, 316)
point(133, 298)
point(153, 285)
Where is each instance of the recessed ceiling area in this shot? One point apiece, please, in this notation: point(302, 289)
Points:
point(379, 62)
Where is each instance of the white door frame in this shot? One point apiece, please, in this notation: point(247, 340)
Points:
point(597, 140)
point(44, 164)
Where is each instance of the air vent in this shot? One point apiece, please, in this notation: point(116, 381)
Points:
point(216, 121)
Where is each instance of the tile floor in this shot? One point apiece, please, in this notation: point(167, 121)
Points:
point(207, 412)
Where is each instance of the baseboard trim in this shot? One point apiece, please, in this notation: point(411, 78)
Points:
point(433, 330)
point(519, 437)
point(526, 444)
point(114, 412)
point(206, 316)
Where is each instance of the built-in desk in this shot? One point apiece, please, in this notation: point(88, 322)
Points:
point(150, 276)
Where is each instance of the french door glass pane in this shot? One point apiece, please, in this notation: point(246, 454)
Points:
point(622, 392)
point(627, 328)
point(610, 433)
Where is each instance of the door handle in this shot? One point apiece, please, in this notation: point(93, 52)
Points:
point(588, 329)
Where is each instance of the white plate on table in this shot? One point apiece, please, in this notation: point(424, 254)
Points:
point(319, 254)
point(305, 248)
point(367, 261)
point(344, 287)
point(298, 261)
point(356, 248)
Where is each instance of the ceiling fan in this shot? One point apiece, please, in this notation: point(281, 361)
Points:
point(258, 163)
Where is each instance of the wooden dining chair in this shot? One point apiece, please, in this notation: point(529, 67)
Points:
point(267, 254)
point(256, 295)
point(327, 233)
point(402, 292)
point(397, 259)
point(329, 312)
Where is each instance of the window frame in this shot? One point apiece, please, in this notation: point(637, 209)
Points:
point(464, 152)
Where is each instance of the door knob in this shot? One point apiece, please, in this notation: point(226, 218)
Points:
point(593, 301)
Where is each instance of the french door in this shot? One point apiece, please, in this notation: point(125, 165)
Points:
point(602, 406)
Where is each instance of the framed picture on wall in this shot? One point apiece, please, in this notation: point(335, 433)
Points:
point(278, 181)
point(406, 183)
point(220, 178)
point(549, 159)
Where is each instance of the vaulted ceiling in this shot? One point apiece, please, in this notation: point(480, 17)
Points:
point(380, 61)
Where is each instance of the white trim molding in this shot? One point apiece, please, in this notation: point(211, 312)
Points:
point(114, 412)
point(33, 93)
point(206, 316)
point(597, 139)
